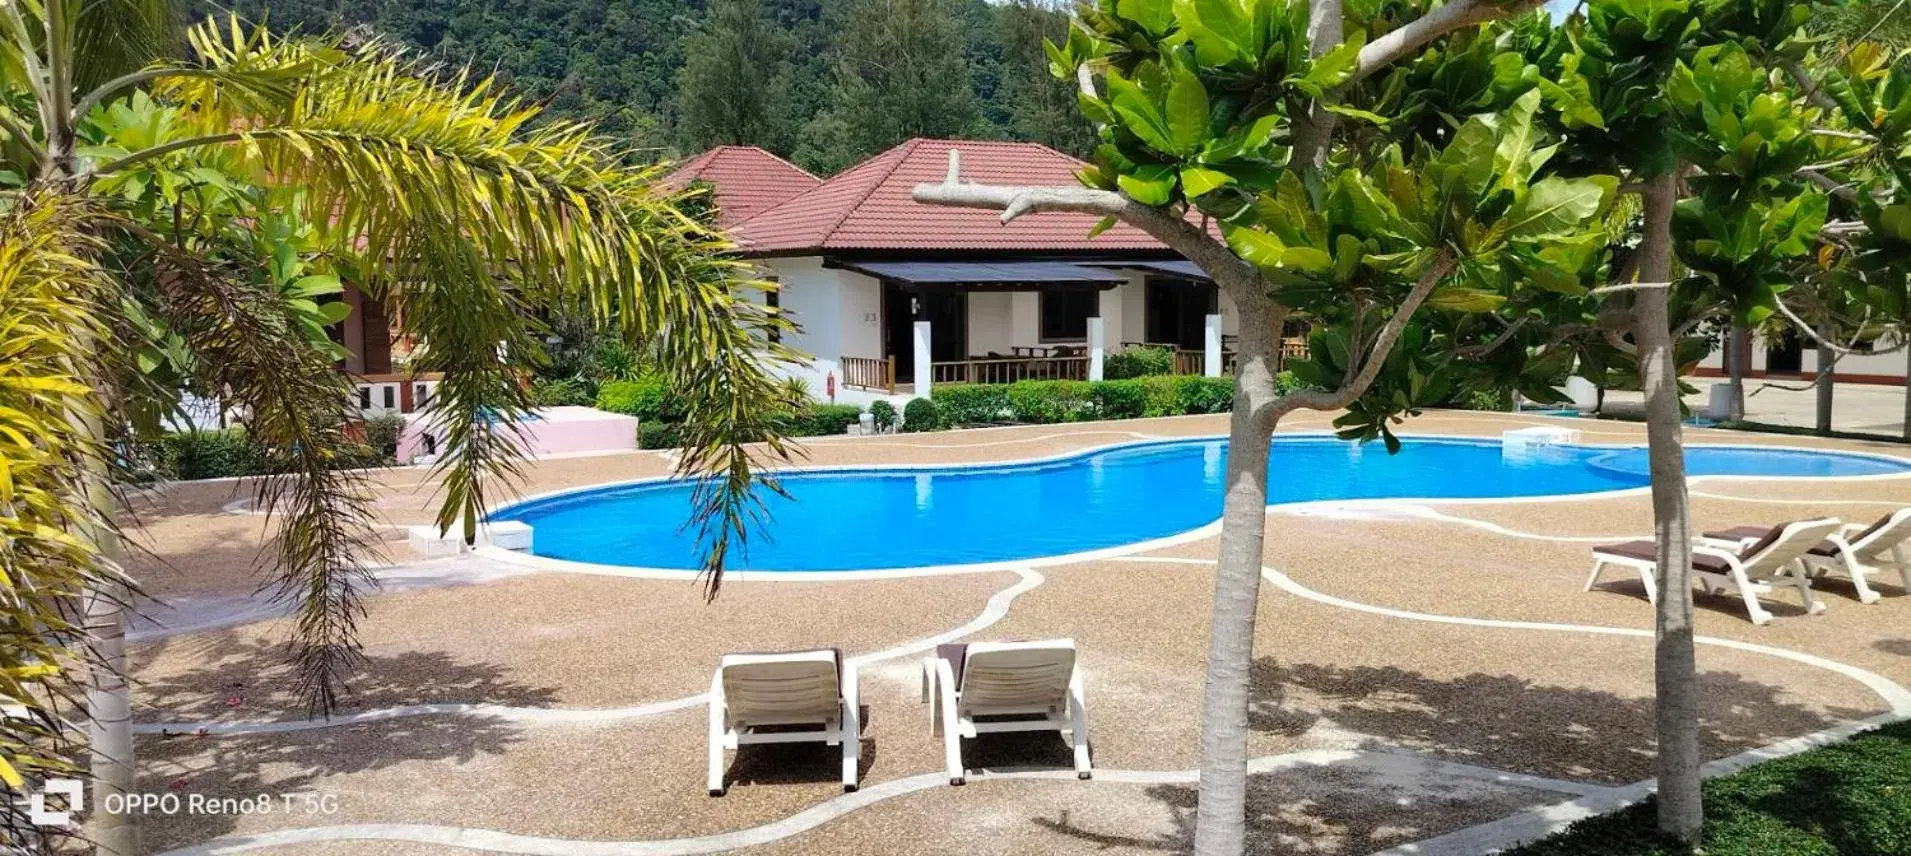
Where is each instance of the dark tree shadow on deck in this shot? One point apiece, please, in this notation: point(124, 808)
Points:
point(1504, 722)
point(255, 674)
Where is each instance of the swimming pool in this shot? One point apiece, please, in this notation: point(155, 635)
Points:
point(866, 519)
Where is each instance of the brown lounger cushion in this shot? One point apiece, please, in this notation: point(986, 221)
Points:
point(1649, 551)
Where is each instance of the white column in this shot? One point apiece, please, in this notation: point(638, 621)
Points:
point(923, 370)
point(1097, 341)
point(1213, 345)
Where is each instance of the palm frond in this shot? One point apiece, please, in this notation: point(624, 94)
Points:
point(292, 403)
point(53, 532)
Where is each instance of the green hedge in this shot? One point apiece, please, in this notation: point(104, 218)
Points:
point(1847, 799)
point(189, 455)
point(548, 392)
point(659, 435)
point(1053, 401)
point(819, 420)
point(883, 414)
point(646, 398)
point(1138, 362)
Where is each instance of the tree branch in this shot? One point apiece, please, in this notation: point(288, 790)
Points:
point(1829, 184)
point(1477, 351)
point(1387, 49)
point(109, 88)
point(1352, 388)
point(1212, 256)
point(1816, 96)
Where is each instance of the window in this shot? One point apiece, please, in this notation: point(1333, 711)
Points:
point(1065, 314)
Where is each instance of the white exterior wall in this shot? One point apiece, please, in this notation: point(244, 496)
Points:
point(991, 322)
point(1888, 367)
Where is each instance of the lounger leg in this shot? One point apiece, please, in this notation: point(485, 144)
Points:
point(717, 730)
point(852, 728)
point(1803, 580)
point(1078, 725)
point(1752, 608)
point(1859, 572)
point(1651, 580)
point(1599, 567)
point(951, 729)
point(929, 682)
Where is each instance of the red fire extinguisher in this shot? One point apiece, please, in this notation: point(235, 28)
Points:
point(829, 384)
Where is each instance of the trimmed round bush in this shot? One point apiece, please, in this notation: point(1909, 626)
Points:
point(1138, 362)
point(1120, 399)
point(921, 414)
point(659, 435)
point(549, 392)
point(883, 414)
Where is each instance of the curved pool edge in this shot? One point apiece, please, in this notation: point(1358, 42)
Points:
point(1213, 527)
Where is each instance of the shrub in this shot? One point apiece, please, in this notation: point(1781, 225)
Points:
point(921, 414)
point(819, 420)
point(1286, 382)
point(1048, 401)
point(1482, 399)
point(646, 398)
point(659, 435)
point(969, 403)
point(1120, 399)
point(1161, 395)
point(207, 455)
point(1196, 394)
point(381, 433)
point(883, 414)
point(550, 392)
point(1138, 362)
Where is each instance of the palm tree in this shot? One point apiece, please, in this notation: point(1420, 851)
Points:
point(436, 191)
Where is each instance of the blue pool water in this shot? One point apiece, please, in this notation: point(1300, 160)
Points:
point(868, 519)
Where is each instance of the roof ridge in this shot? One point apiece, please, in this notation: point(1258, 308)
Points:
point(717, 151)
point(901, 150)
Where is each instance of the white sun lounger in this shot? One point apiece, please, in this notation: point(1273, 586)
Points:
point(1860, 551)
point(1750, 567)
point(990, 687)
point(797, 697)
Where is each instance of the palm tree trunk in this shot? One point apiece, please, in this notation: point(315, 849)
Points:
point(1907, 393)
point(110, 724)
point(1675, 670)
point(1221, 821)
point(1825, 387)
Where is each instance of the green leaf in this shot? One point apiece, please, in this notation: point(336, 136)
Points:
point(1337, 65)
point(1155, 16)
point(1138, 113)
point(1149, 185)
point(1197, 181)
point(1557, 206)
point(1187, 112)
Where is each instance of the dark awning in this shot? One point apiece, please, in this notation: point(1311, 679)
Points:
point(1178, 268)
point(1002, 275)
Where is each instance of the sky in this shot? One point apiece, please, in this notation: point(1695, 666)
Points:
point(1559, 8)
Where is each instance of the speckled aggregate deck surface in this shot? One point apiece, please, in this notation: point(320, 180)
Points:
point(1560, 705)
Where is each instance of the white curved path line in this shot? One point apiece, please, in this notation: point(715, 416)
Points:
point(1895, 696)
point(1385, 765)
point(995, 610)
point(1806, 501)
point(1384, 510)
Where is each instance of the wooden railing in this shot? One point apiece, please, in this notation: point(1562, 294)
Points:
point(1294, 348)
point(1190, 362)
point(870, 373)
point(1010, 370)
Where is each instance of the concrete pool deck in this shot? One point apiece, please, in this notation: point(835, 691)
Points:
point(1404, 687)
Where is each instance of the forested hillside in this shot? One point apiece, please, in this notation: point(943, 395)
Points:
point(825, 82)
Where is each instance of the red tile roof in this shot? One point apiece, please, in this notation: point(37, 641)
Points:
point(868, 207)
point(748, 180)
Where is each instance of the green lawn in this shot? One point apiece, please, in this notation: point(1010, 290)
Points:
point(1848, 799)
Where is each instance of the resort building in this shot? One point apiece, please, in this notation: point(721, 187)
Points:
point(1792, 357)
point(893, 296)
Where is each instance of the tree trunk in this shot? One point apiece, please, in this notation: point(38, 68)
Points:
point(1907, 393)
point(110, 725)
point(1221, 814)
point(1735, 369)
point(1675, 670)
point(1826, 365)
